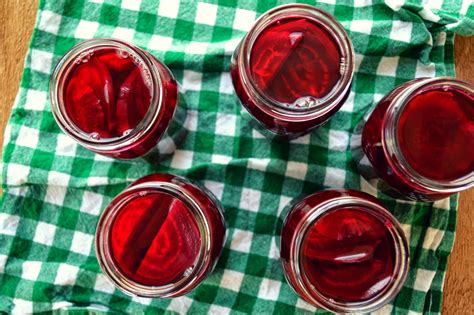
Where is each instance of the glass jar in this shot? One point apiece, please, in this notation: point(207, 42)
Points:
point(293, 70)
point(342, 251)
point(160, 237)
point(419, 140)
point(115, 99)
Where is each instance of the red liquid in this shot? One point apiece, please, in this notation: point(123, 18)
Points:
point(294, 58)
point(433, 145)
point(348, 255)
point(108, 94)
point(436, 134)
point(155, 239)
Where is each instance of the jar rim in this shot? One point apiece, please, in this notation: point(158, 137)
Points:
point(62, 71)
point(390, 141)
point(108, 263)
point(338, 34)
point(400, 245)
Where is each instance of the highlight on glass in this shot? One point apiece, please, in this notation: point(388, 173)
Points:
point(293, 70)
point(160, 237)
point(419, 140)
point(117, 100)
point(343, 251)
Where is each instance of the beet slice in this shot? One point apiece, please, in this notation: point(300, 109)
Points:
point(84, 108)
point(126, 98)
point(355, 282)
point(133, 101)
point(155, 239)
point(350, 242)
point(117, 61)
point(116, 88)
point(295, 39)
point(341, 252)
point(175, 247)
point(275, 48)
point(349, 254)
point(143, 96)
point(436, 134)
point(94, 74)
point(145, 231)
point(294, 58)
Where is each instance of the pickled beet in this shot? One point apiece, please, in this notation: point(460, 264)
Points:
point(107, 93)
point(348, 255)
point(294, 58)
point(155, 239)
point(436, 133)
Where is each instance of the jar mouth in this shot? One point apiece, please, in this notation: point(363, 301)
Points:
point(63, 71)
point(317, 106)
point(109, 265)
point(401, 255)
point(391, 141)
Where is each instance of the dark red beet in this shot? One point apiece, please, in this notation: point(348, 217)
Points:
point(127, 114)
point(348, 255)
point(436, 134)
point(107, 94)
point(142, 95)
point(85, 108)
point(294, 58)
point(155, 239)
point(117, 61)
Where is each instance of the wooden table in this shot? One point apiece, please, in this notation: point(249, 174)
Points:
point(18, 17)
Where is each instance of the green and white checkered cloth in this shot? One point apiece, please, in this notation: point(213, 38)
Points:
point(54, 190)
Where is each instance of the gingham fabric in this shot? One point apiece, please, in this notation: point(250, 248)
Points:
point(54, 190)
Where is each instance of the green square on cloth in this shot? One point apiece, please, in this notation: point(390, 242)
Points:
point(55, 190)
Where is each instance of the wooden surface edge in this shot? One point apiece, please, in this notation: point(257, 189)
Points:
point(459, 286)
point(18, 19)
point(15, 31)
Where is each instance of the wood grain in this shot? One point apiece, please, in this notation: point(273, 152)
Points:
point(459, 285)
point(18, 18)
